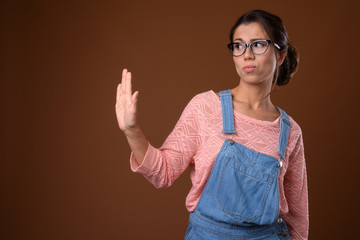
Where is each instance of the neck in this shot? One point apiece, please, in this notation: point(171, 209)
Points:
point(256, 97)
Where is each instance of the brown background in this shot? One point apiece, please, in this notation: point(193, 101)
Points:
point(64, 170)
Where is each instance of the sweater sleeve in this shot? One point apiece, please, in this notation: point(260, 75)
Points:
point(296, 192)
point(164, 165)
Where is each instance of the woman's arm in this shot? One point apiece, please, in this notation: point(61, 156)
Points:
point(162, 166)
point(296, 192)
point(126, 113)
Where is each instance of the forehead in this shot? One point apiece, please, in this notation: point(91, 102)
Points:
point(249, 31)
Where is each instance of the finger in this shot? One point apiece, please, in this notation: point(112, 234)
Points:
point(134, 98)
point(128, 87)
point(118, 92)
point(124, 72)
point(123, 82)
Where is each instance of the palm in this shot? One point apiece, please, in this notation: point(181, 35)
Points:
point(126, 103)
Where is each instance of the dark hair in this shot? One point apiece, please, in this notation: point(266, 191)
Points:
point(275, 28)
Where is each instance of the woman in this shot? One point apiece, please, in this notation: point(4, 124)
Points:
point(245, 155)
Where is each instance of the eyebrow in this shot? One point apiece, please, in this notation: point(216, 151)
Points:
point(251, 40)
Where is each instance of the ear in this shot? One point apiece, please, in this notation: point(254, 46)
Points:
point(281, 57)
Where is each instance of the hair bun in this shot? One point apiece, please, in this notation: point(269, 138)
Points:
point(289, 66)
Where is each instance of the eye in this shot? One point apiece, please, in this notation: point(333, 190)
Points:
point(260, 44)
point(239, 46)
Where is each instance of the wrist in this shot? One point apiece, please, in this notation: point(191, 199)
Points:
point(131, 132)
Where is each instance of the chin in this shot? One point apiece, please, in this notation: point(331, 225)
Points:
point(254, 80)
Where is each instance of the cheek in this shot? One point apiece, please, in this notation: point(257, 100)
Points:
point(273, 60)
point(237, 65)
point(270, 64)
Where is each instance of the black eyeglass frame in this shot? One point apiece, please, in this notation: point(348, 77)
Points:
point(248, 45)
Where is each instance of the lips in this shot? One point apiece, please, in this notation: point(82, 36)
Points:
point(249, 68)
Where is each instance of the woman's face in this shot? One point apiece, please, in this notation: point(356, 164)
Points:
point(255, 69)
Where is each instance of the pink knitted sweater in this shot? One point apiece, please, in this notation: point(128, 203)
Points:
point(196, 141)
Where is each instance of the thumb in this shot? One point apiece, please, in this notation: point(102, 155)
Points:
point(134, 97)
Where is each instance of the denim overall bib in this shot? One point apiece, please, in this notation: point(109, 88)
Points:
point(241, 198)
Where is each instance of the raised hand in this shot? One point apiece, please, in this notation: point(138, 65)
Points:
point(126, 112)
point(126, 103)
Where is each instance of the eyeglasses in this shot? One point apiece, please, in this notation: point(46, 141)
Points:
point(256, 47)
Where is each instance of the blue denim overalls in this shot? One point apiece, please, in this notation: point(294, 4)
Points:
point(241, 198)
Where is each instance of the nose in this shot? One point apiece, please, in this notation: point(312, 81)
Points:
point(248, 54)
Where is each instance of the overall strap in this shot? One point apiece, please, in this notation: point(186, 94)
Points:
point(227, 111)
point(284, 134)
